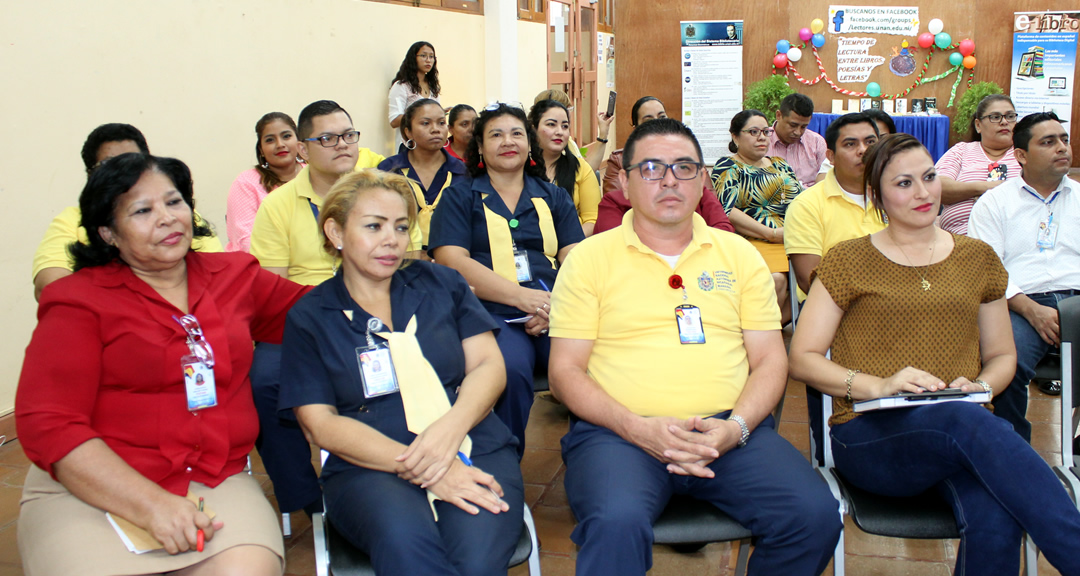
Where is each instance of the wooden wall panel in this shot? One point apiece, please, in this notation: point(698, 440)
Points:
point(648, 36)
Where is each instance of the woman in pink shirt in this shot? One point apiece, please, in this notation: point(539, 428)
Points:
point(971, 168)
point(278, 162)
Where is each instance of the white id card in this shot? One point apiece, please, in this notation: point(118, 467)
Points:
point(1047, 236)
point(376, 370)
point(521, 263)
point(689, 320)
point(199, 383)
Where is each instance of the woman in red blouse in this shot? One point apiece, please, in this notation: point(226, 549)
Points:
point(134, 397)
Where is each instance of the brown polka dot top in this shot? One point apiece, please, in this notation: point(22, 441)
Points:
point(890, 322)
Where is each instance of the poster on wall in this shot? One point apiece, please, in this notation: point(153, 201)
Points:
point(710, 62)
point(1044, 62)
point(897, 20)
point(605, 58)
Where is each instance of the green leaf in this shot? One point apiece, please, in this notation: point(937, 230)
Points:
point(765, 95)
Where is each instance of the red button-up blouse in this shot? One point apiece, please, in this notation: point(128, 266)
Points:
point(104, 362)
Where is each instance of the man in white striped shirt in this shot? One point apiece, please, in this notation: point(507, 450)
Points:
point(1031, 223)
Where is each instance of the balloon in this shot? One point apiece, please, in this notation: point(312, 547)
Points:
point(956, 59)
point(967, 46)
point(805, 34)
point(943, 40)
point(783, 46)
point(925, 40)
point(817, 25)
point(819, 40)
point(780, 61)
point(969, 62)
point(794, 55)
point(873, 89)
point(936, 26)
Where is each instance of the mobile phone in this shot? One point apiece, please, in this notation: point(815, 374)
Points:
point(611, 103)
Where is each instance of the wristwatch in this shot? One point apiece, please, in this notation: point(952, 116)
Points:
point(742, 426)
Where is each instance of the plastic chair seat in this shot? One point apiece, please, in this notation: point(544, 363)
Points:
point(926, 516)
point(347, 560)
point(687, 520)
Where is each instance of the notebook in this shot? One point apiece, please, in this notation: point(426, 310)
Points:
point(911, 399)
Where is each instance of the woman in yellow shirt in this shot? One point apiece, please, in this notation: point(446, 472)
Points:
point(551, 120)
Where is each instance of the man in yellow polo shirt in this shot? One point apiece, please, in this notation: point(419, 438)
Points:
point(835, 209)
point(666, 347)
point(52, 260)
point(287, 241)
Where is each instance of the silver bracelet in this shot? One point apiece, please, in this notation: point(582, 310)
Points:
point(986, 387)
point(742, 426)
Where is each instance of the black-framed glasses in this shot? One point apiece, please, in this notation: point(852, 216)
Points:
point(331, 140)
point(198, 345)
point(652, 170)
point(755, 132)
point(997, 117)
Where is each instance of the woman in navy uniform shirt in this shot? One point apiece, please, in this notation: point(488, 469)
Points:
point(375, 478)
point(509, 256)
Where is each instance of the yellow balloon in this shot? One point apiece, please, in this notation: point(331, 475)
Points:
point(817, 26)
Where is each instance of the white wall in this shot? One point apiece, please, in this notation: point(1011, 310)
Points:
point(194, 76)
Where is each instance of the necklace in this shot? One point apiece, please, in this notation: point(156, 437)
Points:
point(925, 283)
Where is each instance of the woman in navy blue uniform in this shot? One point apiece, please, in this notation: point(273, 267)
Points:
point(379, 475)
point(510, 256)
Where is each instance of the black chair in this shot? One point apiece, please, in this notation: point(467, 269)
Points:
point(1069, 320)
point(688, 524)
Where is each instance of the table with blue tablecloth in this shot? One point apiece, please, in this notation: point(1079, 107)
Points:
point(932, 131)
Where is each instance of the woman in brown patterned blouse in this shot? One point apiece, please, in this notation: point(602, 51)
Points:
point(913, 309)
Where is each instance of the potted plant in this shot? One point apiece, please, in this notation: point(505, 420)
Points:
point(969, 101)
point(765, 95)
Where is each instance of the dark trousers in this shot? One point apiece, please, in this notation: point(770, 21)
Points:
point(390, 520)
point(285, 452)
point(521, 353)
point(617, 491)
point(1012, 403)
point(999, 487)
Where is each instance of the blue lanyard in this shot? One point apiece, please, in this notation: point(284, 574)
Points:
point(314, 210)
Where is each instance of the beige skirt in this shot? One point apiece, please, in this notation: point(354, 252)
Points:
point(60, 534)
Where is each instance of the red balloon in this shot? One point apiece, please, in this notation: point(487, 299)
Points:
point(969, 62)
point(926, 40)
point(967, 47)
point(780, 61)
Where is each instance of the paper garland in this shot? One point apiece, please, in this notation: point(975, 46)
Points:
point(919, 80)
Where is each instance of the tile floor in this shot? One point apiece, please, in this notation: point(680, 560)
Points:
point(543, 472)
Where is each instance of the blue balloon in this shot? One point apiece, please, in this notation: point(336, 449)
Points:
point(818, 40)
point(783, 46)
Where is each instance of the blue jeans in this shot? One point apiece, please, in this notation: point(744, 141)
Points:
point(284, 450)
point(390, 520)
point(1011, 404)
point(521, 353)
point(998, 486)
point(616, 490)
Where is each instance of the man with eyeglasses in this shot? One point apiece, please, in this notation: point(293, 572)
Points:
point(1030, 222)
point(666, 348)
point(803, 149)
point(287, 241)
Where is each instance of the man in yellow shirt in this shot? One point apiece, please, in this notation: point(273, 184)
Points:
point(666, 348)
point(835, 209)
point(51, 259)
point(287, 241)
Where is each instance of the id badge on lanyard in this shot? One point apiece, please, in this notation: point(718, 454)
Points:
point(1047, 236)
point(198, 367)
point(376, 365)
point(521, 265)
point(688, 319)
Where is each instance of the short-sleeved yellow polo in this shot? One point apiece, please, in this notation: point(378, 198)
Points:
point(615, 291)
point(368, 159)
point(822, 216)
point(65, 228)
point(286, 232)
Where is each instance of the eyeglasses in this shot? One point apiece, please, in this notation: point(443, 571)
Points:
point(755, 132)
point(496, 105)
point(651, 170)
point(426, 56)
point(331, 140)
point(198, 345)
point(997, 117)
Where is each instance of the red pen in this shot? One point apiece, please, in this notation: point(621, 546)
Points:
point(200, 537)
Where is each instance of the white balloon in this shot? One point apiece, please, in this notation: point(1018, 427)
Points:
point(935, 27)
point(794, 54)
